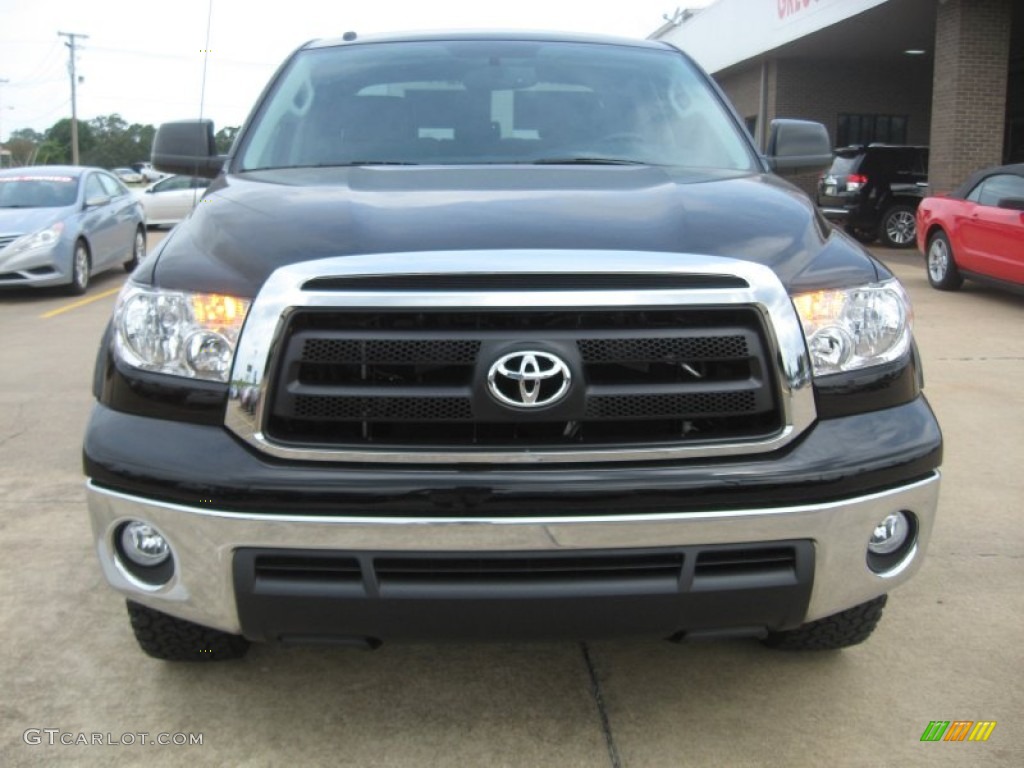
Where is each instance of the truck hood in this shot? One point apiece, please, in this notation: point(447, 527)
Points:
point(250, 224)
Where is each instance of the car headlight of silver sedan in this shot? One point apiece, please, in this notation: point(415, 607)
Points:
point(854, 328)
point(44, 238)
point(179, 333)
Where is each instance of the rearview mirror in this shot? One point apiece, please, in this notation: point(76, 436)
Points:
point(798, 145)
point(188, 147)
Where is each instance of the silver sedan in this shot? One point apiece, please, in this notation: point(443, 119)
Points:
point(59, 225)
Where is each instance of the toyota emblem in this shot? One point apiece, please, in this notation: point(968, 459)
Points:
point(528, 379)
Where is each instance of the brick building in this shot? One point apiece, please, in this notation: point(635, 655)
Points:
point(946, 73)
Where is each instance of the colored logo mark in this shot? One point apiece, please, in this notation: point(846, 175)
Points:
point(958, 730)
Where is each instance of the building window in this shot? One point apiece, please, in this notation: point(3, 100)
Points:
point(751, 123)
point(864, 129)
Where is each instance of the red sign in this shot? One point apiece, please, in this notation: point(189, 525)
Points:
point(789, 8)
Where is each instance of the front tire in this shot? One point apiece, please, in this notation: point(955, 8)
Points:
point(80, 265)
point(840, 630)
point(172, 639)
point(898, 228)
point(942, 271)
point(138, 250)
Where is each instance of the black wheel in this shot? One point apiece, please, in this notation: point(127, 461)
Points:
point(942, 271)
point(831, 633)
point(138, 250)
point(898, 228)
point(80, 265)
point(860, 235)
point(171, 639)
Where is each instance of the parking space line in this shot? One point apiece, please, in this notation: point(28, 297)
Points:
point(79, 303)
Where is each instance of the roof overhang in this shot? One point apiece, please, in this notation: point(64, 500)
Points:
point(729, 33)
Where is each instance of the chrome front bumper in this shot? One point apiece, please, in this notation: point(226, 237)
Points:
point(203, 542)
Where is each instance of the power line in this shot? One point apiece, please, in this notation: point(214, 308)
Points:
point(177, 56)
point(44, 64)
point(37, 116)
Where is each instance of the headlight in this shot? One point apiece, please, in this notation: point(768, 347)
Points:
point(177, 332)
point(855, 327)
point(44, 238)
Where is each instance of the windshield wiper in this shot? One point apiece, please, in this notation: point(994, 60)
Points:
point(345, 164)
point(587, 161)
point(370, 162)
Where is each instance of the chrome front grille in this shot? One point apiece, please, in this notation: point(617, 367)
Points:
point(360, 359)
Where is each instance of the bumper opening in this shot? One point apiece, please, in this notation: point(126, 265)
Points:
point(321, 596)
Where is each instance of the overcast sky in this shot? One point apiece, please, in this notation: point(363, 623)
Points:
point(143, 59)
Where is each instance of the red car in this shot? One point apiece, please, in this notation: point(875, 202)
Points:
point(976, 231)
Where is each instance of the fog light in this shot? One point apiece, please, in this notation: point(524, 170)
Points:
point(890, 534)
point(144, 545)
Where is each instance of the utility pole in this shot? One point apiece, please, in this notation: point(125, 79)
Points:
point(71, 36)
point(3, 81)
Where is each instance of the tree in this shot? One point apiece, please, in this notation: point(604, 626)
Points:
point(26, 134)
point(56, 145)
point(23, 144)
point(117, 143)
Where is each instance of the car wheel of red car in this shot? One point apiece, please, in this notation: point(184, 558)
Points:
point(942, 271)
point(898, 228)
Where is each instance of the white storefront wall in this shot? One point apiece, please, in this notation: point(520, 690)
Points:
point(731, 31)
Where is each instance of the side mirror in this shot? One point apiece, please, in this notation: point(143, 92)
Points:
point(1011, 203)
point(798, 145)
point(188, 147)
point(96, 202)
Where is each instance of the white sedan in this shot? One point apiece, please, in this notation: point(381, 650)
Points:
point(170, 200)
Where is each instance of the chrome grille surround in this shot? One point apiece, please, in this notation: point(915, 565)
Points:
point(286, 291)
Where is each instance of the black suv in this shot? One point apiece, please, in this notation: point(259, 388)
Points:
point(874, 190)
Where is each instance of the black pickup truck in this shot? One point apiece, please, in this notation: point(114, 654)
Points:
point(505, 336)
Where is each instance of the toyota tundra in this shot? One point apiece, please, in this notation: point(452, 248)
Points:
point(496, 336)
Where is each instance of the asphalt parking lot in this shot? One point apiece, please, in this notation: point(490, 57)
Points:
point(948, 648)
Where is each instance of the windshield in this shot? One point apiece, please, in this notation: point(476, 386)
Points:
point(37, 191)
point(478, 102)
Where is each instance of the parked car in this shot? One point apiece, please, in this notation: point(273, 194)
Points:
point(977, 231)
point(59, 225)
point(873, 191)
point(172, 199)
point(148, 172)
point(129, 175)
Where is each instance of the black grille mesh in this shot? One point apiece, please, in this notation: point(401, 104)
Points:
point(388, 379)
point(423, 352)
point(382, 408)
point(632, 407)
point(664, 349)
